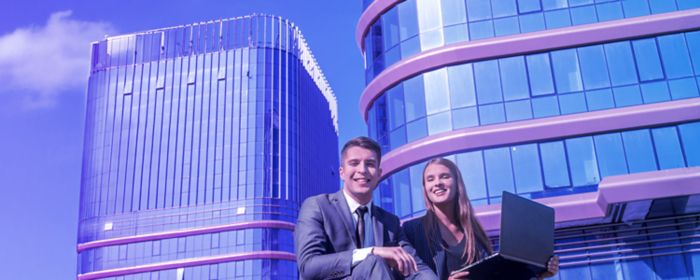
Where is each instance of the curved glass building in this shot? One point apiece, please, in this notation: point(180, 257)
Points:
point(201, 141)
point(591, 107)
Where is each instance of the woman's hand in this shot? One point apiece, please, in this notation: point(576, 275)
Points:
point(458, 275)
point(552, 268)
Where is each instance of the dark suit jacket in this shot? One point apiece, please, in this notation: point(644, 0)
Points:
point(435, 258)
point(324, 237)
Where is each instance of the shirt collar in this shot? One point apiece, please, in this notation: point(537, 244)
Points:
point(353, 205)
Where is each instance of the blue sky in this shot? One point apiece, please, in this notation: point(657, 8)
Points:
point(44, 56)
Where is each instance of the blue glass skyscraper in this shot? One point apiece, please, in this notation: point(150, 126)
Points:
point(201, 141)
point(591, 107)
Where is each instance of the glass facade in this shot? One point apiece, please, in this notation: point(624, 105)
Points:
point(539, 85)
point(415, 26)
point(457, 101)
point(201, 141)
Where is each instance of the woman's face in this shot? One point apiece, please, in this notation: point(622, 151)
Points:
point(439, 184)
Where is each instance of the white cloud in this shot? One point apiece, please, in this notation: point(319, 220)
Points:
point(43, 62)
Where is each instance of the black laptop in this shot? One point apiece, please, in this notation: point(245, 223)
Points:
point(526, 241)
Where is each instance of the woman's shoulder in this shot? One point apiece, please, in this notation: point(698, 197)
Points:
point(414, 224)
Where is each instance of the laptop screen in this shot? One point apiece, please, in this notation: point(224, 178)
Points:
point(527, 230)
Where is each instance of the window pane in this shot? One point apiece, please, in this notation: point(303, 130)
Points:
point(527, 6)
point(518, 110)
point(506, 26)
point(566, 71)
point(621, 63)
point(453, 12)
point(513, 71)
point(478, 9)
point(662, 6)
point(557, 19)
point(627, 96)
point(481, 29)
point(583, 15)
point(600, 99)
point(531, 22)
point(465, 117)
point(390, 28)
point(693, 39)
point(609, 11)
point(583, 162)
point(396, 107)
point(593, 67)
point(461, 79)
point(408, 19)
point(556, 170)
point(490, 114)
point(635, 8)
point(416, 173)
point(639, 150)
point(668, 148)
point(526, 167)
point(545, 106)
point(503, 8)
point(471, 165)
point(675, 57)
point(416, 129)
point(402, 194)
point(683, 88)
point(429, 23)
point(456, 33)
point(648, 60)
point(554, 4)
point(499, 173)
point(655, 92)
point(690, 136)
point(687, 4)
point(611, 154)
point(439, 123)
point(540, 74)
point(429, 15)
point(572, 103)
point(397, 137)
point(488, 82)
point(437, 95)
point(414, 97)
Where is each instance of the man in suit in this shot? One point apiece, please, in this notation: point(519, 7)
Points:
point(343, 235)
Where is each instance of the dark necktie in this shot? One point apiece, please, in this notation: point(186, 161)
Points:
point(360, 225)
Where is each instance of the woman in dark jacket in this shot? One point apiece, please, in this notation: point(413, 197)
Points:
point(449, 237)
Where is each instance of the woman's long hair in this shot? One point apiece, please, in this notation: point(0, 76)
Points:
point(463, 210)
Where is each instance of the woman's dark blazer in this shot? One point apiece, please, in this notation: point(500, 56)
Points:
point(435, 258)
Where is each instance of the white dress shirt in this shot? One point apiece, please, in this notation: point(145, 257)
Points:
point(359, 255)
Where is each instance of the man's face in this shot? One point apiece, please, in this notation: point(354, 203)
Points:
point(360, 173)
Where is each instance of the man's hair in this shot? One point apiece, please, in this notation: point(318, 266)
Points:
point(363, 142)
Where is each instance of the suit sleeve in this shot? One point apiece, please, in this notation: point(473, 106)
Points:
point(314, 256)
point(424, 271)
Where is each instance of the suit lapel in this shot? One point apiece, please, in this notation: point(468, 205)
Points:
point(341, 206)
point(439, 260)
point(378, 223)
point(439, 257)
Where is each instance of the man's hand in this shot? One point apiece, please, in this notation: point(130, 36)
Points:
point(397, 259)
point(458, 275)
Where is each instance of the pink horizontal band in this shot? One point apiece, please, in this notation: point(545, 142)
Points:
point(369, 16)
point(611, 190)
point(184, 232)
point(277, 255)
point(527, 43)
point(481, 137)
point(627, 258)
